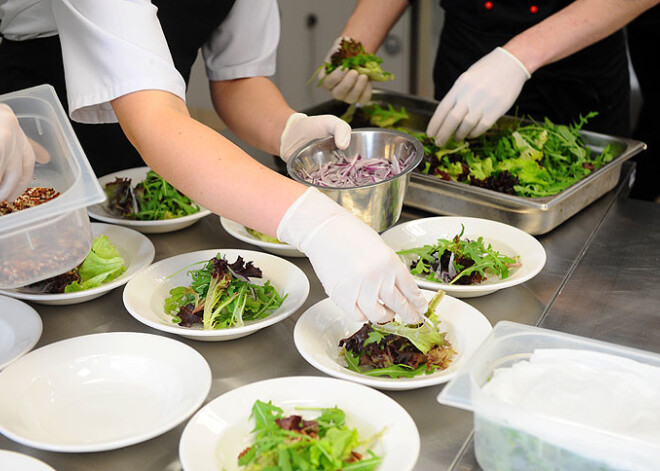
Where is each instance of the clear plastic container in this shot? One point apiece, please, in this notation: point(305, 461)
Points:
point(507, 437)
point(52, 238)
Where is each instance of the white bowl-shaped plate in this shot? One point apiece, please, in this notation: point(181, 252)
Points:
point(101, 213)
point(101, 392)
point(136, 250)
point(239, 231)
point(322, 326)
point(216, 435)
point(145, 294)
point(10, 460)
point(506, 239)
point(20, 330)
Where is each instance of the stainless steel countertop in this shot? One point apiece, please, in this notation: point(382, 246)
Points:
point(588, 287)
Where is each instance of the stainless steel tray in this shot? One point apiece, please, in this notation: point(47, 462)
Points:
point(533, 215)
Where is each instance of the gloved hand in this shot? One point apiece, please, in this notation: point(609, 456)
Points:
point(300, 129)
point(479, 97)
point(16, 156)
point(345, 85)
point(359, 272)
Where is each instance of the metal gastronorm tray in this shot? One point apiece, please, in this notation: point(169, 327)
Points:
point(533, 215)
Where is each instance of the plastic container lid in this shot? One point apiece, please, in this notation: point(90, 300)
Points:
point(29, 234)
point(545, 433)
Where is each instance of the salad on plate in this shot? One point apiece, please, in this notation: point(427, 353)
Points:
point(294, 443)
point(459, 261)
point(221, 296)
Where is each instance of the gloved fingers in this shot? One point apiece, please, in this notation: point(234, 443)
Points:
point(41, 155)
point(330, 81)
point(341, 130)
point(351, 311)
point(340, 90)
point(440, 113)
point(469, 122)
point(397, 302)
point(27, 168)
point(365, 97)
point(450, 123)
point(408, 287)
point(369, 302)
point(9, 185)
point(480, 128)
point(355, 92)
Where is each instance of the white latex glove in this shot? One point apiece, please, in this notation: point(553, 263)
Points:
point(300, 129)
point(17, 156)
point(345, 85)
point(479, 97)
point(359, 272)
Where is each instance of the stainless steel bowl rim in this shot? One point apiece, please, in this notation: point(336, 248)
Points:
point(419, 155)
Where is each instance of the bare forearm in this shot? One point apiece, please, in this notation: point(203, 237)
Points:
point(372, 20)
point(202, 163)
point(575, 27)
point(254, 109)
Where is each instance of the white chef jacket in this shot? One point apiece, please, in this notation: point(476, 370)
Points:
point(115, 47)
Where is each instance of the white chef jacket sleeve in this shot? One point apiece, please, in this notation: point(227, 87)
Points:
point(110, 49)
point(245, 43)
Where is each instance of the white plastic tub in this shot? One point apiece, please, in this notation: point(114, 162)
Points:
point(49, 239)
point(510, 436)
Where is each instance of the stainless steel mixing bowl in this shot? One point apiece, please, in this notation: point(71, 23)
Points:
point(377, 204)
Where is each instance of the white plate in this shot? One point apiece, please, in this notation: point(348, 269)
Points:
point(322, 326)
point(20, 330)
point(216, 435)
point(238, 231)
point(100, 212)
point(10, 460)
point(101, 392)
point(136, 250)
point(506, 239)
point(145, 294)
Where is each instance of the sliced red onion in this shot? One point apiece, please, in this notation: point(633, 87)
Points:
point(344, 173)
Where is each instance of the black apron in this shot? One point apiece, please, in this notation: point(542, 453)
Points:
point(593, 79)
point(23, 64)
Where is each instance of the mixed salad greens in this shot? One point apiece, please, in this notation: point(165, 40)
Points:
point(351, 55)
point(103, 264)
point(153, 199)
point(459, 261)
point(522, 158)
point(398, 350)
point(222, 296)
point(295, 444)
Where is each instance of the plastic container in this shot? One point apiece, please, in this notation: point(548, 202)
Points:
point(54, 237)
point(508, 436)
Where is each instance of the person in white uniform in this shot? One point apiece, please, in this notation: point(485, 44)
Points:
point(118, 67)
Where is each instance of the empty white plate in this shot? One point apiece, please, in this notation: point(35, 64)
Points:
point(222, 429)
point(12, 461)
point(20, 330)
point(322, 326)
point(101, 392)
point(508, 240)
point(137, 175)
point(239, 231)
point(145, 294)
point(136, 250)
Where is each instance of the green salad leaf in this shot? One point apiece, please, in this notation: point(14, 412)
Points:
point(103, 263)
point(352, 55)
